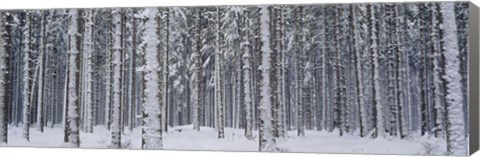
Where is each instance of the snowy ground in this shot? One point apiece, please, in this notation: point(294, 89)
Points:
point(185, 138)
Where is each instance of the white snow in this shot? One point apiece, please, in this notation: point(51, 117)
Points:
point(185, 138)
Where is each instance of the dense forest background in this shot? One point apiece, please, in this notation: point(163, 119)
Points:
point(369, 70)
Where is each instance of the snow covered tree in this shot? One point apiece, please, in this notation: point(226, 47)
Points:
point(234, 35)
point(330, 13)
point(323, 78)
point(463, 14)
point(108, 71)
point(278, 67)
point(358, 15)
point(302, 88)
point(41, 66)
point(152, 124)
point(117, 51)
point(13, 22)
point(247, 74)
point(72, 129)
point(438, 99)
point(402, 73)
point(266, 140)
point(165, 54)
point(456, 141)
point(87, 66)
point(424, 26)
point(392, 50)
point(26, 45)
point(130, 57)
point(411, 48)
point(3, 83)
point(196, 75)
point(378, 125)
point(219, 105)
point(129, 31)
point(340, 68)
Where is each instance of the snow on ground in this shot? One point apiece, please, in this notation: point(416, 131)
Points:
point(185, 138)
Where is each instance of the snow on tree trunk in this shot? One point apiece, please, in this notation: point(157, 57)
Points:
point(3, 85)
point(324, 77)
point(339, 81)
point(73, 80)
point(65, 122)
point(285, 37)
point(456, 141)
point(219, 105)
point(131, 25)
point(377, 102)
point(87, 51)
point(279, 78)
point(423, 75)
point(26, 75)
point(300, 52)
point(123, 50)
point(266, 139)
point(166, 33)
point(247, 81)
point(392, 65)
point(152, 124)
point(42, 51)
point(116, 61)
point(108, 75)
point(401, 68)
point(412, 34)
point(196, 75)
point(358, 41)
point(437, 81)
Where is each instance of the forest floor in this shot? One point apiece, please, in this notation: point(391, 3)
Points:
point(185, 138)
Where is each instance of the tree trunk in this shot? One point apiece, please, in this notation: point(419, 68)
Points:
point(166, 29)
point(26, 35)
point(74, 39)
point(108, 75)
point(219, 105)
point(456, 142)
point(379, 129)
point(152, 123)
point(42, 52)
point(132, 75)
point(116, 60)
point(4, 84)
point(87, 50)
point(247, 73)
point(196, 75)
point(358, 72)
point(299, 63)
point(266, 140)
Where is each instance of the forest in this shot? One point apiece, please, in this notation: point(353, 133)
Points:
point(266, 76)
